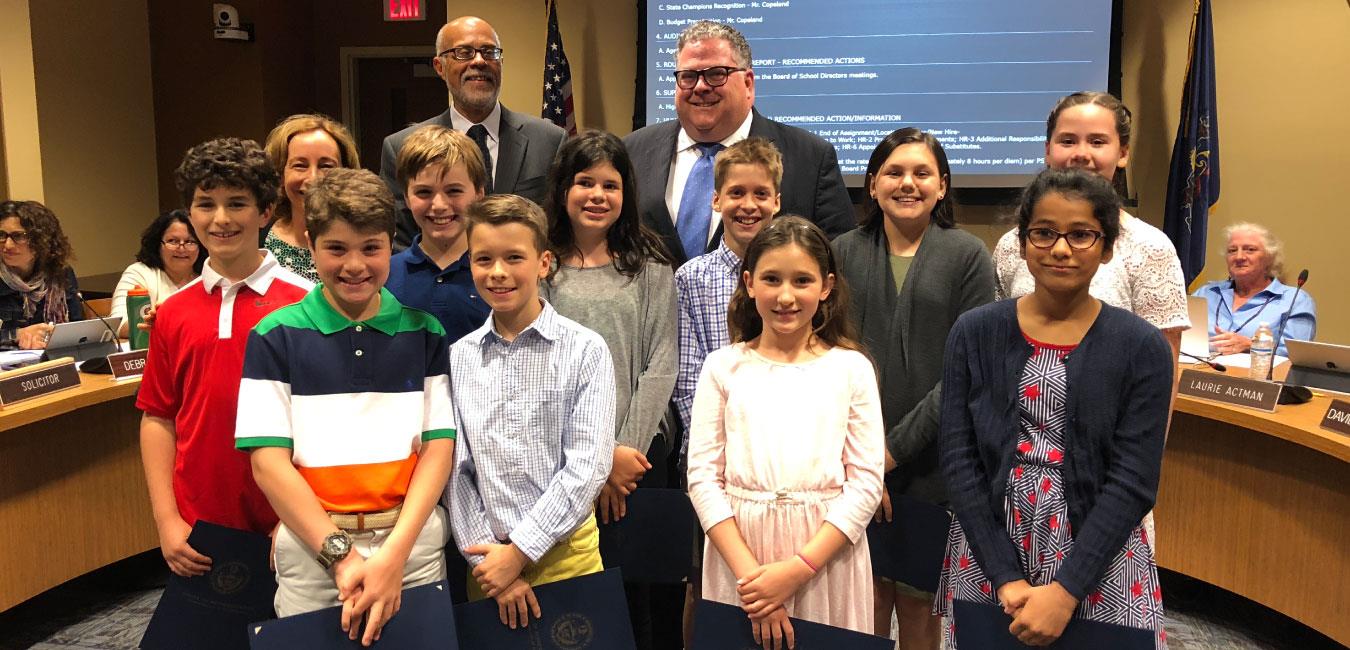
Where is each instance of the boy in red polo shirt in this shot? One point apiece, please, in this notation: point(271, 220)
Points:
point(190, 389)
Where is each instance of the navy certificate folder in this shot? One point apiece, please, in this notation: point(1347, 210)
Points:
point(589, 612)
point(718, 626)
point(425, 621)
point(212, 611)
point(654, 542)
point(986, 627)
point(910, 547)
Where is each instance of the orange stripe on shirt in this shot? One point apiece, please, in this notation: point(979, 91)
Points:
point(361, 488)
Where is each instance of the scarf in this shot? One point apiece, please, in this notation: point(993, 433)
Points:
point(35, 292)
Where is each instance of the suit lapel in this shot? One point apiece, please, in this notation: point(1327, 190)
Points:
point(511, 146)
point(652, 188)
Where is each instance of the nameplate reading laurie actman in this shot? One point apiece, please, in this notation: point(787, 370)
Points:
point(126, 365)
point(38, 380)
point(1338, 417)
point(1237, 391)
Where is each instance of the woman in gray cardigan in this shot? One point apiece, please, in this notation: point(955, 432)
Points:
point(907, 240)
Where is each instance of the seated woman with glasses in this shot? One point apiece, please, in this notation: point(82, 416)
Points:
point(1253, 294)
point(170, 257)
point(38, 288)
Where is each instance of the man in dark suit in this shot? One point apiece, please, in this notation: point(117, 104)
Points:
point(714, 101)
point(517, 148)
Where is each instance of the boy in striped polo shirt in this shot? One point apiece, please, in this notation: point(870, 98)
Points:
point(345, 408)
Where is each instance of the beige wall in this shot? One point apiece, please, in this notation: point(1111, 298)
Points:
point(1282, 69)
point(91, 64)
point(18, 104)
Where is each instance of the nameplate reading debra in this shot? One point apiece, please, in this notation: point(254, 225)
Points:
point(1338, 417)
point(1237, 391)
point(38, 380)
point(126, 365)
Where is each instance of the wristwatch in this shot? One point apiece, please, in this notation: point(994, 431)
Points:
point(335, 547)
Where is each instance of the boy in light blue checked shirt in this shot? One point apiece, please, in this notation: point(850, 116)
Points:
point(534, 400)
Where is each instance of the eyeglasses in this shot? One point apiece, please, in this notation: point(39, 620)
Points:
point(20, 237)
point(466, 53)
point(180, 244)
point(1077, 239)
point(716, 76)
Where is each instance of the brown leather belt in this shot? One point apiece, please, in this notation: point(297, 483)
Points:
point(358, 521)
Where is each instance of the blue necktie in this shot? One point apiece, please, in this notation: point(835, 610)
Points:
point(696, 202)
point(479, 134)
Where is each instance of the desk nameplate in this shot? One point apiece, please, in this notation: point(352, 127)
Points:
point(125, 365)
point(38, 380)
point(1227, 389)
point(1337, 417)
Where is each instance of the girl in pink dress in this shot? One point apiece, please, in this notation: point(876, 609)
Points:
point(786, 444)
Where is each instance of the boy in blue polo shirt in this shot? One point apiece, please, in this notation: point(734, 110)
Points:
point(441, 173)
point(348, 418)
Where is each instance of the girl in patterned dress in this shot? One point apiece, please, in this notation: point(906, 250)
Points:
point(786, 444)
point(1054, 408)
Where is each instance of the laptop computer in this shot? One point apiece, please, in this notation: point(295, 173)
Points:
point(1319, 365)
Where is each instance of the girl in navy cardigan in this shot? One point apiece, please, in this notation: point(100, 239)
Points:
point(1053, 413)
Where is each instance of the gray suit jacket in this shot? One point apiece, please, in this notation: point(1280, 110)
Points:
point(524, 154)
point(906, 333)
point(812, 186)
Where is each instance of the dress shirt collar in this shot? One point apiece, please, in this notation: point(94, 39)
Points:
point(727, 256)
point(259, 280)
point(1275, 289)
point(684, 141)
point(493, 122)
point(546, 325)
point(330, 321)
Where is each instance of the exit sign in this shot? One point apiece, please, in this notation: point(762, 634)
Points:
point(404, 10)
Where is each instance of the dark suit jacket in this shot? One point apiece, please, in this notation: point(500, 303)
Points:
point(812, 186)
point(524, 153)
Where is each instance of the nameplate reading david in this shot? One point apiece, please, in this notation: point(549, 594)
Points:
point(1338, 417)
point(126, 365)
point(38, 380)
point(1236, 391)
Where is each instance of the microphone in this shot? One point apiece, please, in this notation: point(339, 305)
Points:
point(1302, 279)
point(97, 365)
point(1216, 366)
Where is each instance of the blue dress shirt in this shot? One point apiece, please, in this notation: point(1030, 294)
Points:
point(1268, 305)
point(536, 433)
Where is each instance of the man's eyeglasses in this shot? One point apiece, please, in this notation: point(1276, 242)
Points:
point(715, 76)
point(1077, 239)
point(466, 53)
point(180, 244)
point(20, 237)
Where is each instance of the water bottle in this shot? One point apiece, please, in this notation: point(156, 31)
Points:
point(138, 303)
point(1263, 352)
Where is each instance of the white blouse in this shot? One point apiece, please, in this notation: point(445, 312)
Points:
point(155, 281)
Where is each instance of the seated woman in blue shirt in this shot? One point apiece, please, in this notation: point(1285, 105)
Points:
point(1253, 294)
point(37, 285)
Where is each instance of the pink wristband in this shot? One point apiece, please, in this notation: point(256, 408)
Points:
point(808, 564)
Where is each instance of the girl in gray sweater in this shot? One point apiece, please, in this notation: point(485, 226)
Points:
point(615, 277)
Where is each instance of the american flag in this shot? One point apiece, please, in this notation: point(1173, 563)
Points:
point(557, 77)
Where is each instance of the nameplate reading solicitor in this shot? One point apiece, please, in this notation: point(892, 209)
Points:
point(38, 380)
point(1237, 391)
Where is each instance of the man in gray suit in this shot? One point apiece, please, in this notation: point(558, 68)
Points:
point(714, 101)
point(518, 149)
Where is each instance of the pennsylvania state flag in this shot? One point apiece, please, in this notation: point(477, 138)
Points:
point(1193, 183)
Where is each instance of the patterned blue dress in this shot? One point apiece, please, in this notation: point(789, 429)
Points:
point(1038, 518)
